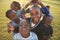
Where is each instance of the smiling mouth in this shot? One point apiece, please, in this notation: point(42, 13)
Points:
point(24, 29)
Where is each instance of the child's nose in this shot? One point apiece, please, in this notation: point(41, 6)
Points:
point(24, 26)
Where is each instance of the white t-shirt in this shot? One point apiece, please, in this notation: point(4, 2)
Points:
point(32, 36)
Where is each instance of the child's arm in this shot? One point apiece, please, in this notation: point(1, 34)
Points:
point(43, 7)
point(23, 11)
point(27, 5)
point(10, 27)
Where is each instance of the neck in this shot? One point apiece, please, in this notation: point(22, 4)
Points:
point(35, 21)
point(26, 36)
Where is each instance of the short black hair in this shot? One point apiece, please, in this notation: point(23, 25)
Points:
point(17, 4)
point(8, 12)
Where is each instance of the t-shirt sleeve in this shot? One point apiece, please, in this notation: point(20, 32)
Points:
point(45, 10)
point(35, 36)
point(16, 37)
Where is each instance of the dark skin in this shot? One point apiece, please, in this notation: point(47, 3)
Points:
point(45, 37)
point(34, 2)
point(35, 15)
point(15, 6)
point(10, 28)
point(14, 17)
point(24, 29)
point(12, 6)
point(46, 22)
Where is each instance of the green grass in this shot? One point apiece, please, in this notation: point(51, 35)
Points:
point(55, 10)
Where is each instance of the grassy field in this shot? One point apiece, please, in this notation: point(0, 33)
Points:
point(55, 10)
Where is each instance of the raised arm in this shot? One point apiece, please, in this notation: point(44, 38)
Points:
point(43, 8)
point(10, 27)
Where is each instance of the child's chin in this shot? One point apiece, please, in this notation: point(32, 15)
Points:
point(36, 20)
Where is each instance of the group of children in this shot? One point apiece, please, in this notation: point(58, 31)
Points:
point(36, 27)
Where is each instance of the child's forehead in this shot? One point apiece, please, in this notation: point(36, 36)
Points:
point(33, 9)
point(23, 22)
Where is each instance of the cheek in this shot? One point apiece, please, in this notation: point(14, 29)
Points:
point(39, 15)
point(15, 18)
point(20, 30)
point(32, 17)
point(11, 18)
point(12, 7)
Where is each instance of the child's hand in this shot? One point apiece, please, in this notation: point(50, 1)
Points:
point(40, 3)
point(28, 4)
point(10, 27)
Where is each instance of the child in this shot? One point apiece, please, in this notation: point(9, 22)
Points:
point(44, 9)
point(15, 6)
point(24, 32)
point(47, 30)
point(36, 18)
point(13, 25)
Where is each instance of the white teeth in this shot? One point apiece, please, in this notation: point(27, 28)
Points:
point(24, 29)
point(35, 18)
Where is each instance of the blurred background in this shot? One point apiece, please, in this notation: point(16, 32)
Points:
point(54, 9)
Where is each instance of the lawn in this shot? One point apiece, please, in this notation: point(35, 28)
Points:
point(54, 8)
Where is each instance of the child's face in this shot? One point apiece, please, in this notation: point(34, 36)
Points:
point(47, 21)
point(13, 16)
point(13, 6)
point(35, 15)
point(24, 28)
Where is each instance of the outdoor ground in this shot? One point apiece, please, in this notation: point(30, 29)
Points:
point(55, 10)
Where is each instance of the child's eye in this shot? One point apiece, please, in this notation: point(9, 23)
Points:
point(32, 14)
point(21, 25)
point(26, 25)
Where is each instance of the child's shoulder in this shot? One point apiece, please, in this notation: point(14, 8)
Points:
point(16, 35)
point(33, 34)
